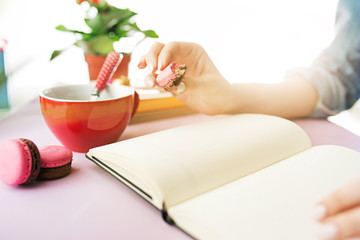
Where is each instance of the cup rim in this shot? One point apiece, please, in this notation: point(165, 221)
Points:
point(43, 95)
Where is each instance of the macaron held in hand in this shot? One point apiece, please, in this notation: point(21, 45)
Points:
point(171, 76)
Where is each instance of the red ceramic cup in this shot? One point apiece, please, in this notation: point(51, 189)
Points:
point(81, 124)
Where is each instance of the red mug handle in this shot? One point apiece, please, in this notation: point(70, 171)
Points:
point(135, 104)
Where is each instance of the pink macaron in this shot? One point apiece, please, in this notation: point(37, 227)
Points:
point(55, 162)
point(19, 162)
point(171, 76)
point(22, 162)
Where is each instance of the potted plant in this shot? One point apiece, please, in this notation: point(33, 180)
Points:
point(106, 25)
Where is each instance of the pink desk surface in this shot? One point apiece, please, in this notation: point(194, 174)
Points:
point(91, 204)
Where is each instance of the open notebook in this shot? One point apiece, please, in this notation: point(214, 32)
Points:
point(246, 176)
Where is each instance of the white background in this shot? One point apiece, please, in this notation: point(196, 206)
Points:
point(249, 41)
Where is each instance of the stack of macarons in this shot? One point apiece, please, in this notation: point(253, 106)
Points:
point(22, 162)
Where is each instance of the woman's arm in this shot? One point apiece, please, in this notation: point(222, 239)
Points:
point(207, 91)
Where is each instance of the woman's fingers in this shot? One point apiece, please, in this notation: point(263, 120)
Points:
point(158, 57)
point(345, 225)
point(344, 198)
point(348, 223)
point(340, 213)
point(168, 54)
point(150, 80)
point(142, 62)
point(150, 59)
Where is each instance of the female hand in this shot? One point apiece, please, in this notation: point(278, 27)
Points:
point(339, 213)
point(206, 90)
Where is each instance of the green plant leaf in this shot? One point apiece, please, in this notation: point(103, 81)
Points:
point(134, 26)
point(56, 53)
point(109, 25)
point(120, 33)
point(65, 29)
point(61, 28)
point(150, 34)
point(147, 33)
point(117, 17)
point(115, 36)
point(100, 45)
point(96, 24)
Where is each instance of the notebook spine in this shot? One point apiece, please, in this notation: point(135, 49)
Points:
point(166, 216)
